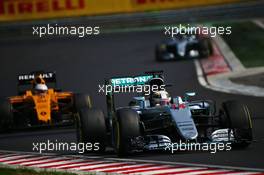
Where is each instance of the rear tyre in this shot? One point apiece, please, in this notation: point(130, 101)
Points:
point(158, 54)
point(81, 101)
point(92, 129)
point(206, 48)
point(6, 114)
point(238, 118)
point(189, 48)
point(126, 127)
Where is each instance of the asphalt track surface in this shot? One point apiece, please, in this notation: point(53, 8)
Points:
point(83, 64)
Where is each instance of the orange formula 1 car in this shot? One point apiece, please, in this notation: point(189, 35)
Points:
point(39, 105)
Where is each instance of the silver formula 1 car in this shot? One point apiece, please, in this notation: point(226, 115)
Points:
point(184, 46)
point(143, 125)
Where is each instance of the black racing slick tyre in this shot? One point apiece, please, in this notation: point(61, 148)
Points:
point(125, 128)
point(158, 54)
point(81, 101)
point(238, 118)
point(92, 129)
point(6, 114)
point(205, 48)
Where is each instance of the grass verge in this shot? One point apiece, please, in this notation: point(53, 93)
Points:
point(23, 171)
point(247, 42)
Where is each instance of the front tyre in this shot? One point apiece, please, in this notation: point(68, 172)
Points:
point(158, 54)
point(82, 101)
point(125, 128)
point(6, 114)
point(205, 48)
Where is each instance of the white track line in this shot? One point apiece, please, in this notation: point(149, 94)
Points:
point(8, 155)
point(100, 165)
point(170, 170)
point(188, 164)
point(61, 163)
point(15, 157)
point(259, 23)
point(29, 159)
point(200, 75)
point(243, 173)
point(207, 172)
point(142, 169)
point(78, 164)
point(123, 167)
point(37, 163)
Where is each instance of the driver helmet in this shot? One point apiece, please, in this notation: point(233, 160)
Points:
point(160, 98)
point(41, 88)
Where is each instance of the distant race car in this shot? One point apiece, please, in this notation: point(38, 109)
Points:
point(184, 46)
point(144, 125)
point(38, 105)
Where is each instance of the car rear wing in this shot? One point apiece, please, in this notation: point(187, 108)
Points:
point(27, 79)
point(127, 82)
point(130, 81)
point(24, 79)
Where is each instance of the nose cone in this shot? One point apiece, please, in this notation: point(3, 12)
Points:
point(184, 123)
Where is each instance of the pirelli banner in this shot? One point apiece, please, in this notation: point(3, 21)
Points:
point(12, 10)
